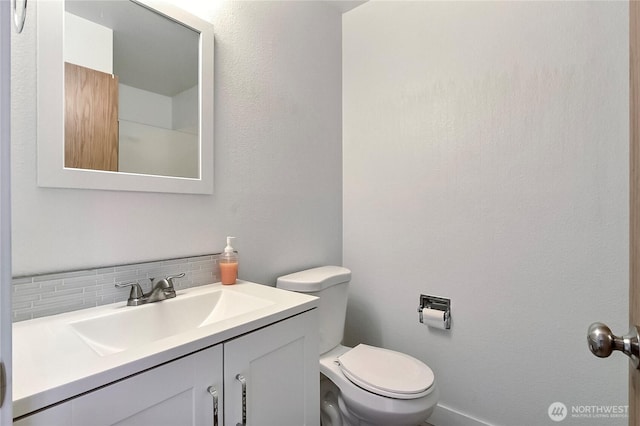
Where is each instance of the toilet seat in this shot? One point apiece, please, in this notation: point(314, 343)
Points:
point(386, 372)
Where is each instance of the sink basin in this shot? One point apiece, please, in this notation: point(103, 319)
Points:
point(132, 326)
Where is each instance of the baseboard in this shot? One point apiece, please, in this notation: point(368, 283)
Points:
point(445, 416)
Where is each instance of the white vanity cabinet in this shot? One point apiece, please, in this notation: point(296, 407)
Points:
point(171, 394)
point(280, 368)
point(279, 364)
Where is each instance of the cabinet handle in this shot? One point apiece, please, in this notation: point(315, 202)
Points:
point(214, 395)
point(243, 381)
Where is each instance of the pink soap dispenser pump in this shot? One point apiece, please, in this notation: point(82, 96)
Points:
point(228, 264)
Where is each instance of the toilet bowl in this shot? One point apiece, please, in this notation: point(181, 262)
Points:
point(360, 406)
point(364, 385)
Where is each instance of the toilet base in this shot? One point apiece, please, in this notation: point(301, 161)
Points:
point(333, 410)
point(329, 406)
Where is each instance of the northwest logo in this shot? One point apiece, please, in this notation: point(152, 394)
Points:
point(557, 411)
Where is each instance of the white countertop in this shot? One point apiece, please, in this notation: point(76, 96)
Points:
point(52, 363)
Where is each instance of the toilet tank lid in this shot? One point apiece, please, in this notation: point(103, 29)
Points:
point(316, 279)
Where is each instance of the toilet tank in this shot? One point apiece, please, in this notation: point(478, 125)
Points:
point(329, 283)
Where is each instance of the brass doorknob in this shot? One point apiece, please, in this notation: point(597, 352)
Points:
point(602, 342)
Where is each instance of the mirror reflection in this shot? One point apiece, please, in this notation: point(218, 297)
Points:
point(131, 90)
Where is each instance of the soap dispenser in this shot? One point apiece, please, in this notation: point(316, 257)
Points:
point(228, 264)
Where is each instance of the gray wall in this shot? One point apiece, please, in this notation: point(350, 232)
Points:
point(278, 177)
point(486, 160)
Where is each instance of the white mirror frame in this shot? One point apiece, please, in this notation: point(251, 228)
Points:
point(50, 71)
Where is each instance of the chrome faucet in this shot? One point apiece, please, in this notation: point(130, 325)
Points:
point(161, 289)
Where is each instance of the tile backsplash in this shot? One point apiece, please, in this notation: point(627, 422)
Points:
point(42, 295)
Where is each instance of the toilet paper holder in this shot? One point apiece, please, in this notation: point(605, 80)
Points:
point(438, 304)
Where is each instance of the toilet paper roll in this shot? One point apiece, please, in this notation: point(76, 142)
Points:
point(434, 318)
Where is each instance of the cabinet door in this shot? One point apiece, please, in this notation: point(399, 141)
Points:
point(172, 394)
point(280, 365)
point(57, 415)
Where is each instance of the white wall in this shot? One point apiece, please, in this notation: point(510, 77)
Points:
point(185, 110)
point(157, 151)
point(147, 144)
point(88, 44)
point(277, 156)
point(486, 160)
point(142, 106)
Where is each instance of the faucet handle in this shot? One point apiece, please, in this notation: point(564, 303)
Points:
point(172, 291)
point(165, 282)
point(165, 286)
point(171, 277)
point(136, 295)
point(169, 280)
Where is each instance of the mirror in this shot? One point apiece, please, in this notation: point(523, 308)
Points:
point(131, 90)
point(125, 97)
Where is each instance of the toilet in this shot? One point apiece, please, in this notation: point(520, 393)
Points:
point(364, 385)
